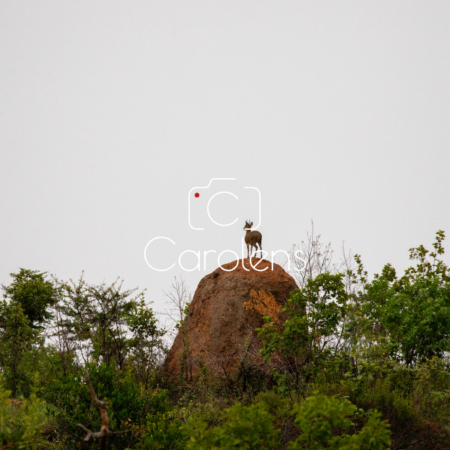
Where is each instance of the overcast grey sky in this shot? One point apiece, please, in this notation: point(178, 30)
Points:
point(112, 111)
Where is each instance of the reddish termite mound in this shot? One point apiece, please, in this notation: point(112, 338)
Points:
point(219, 327)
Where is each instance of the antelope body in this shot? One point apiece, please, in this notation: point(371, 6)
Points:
point(252, 239)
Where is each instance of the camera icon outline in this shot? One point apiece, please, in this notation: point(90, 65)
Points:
point(220, 193)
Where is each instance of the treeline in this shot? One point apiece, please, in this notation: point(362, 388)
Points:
point(350, 362)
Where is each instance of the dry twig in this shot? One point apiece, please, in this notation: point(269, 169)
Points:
point(102, 406)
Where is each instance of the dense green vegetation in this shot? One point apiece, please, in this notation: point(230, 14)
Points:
point(356, 363)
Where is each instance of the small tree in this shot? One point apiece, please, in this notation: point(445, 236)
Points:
point(95, 320)
point(34, 293)
point(146, 341)
point(180, 298)
point(314, 314)
point(16, 338)
point(410, 315)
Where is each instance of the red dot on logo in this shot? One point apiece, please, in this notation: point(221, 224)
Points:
point(197, 195)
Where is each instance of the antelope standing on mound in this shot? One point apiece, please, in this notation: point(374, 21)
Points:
point(252, 239)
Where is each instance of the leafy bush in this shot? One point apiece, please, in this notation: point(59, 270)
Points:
point(161, 430)
point(244, 428)
point(320, 418)
point(129, 405)
point(22, 424)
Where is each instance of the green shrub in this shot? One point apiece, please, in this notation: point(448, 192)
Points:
point(161, 431)
point(244, 428)
point(129, 408)
point(278, 407)
point(21, 424)
point(320, 417)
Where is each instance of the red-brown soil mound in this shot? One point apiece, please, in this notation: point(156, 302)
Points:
point(218, 326)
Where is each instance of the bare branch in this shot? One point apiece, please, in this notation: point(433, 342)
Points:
point(102, 406)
